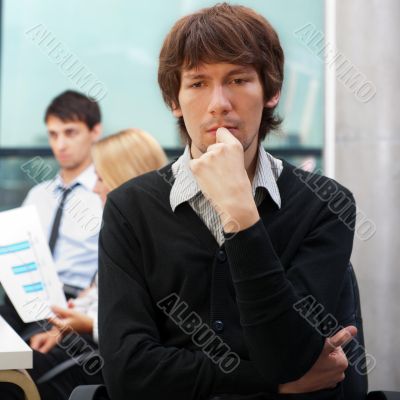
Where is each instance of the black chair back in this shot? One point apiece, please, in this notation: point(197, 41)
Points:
point(355, 385)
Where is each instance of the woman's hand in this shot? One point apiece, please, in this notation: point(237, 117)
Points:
point(45, 341)
point(67, 320)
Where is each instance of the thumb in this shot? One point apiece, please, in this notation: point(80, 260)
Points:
point(33, 342)
point(223, 135)
point(352, 330)
point(61, 312)
point(36, 342)
point(342, 337)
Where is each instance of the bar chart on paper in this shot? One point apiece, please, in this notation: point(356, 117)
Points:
point(23, 267)
point(27, 271)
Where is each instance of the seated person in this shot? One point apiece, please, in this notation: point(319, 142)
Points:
point(117, 158)
point(69, 211)
point(202, 264)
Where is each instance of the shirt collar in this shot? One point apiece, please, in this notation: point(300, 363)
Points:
point(267, 173)
point(185, 186)
point(87, 179)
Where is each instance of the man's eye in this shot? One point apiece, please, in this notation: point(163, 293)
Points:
point(238, 81)
point(196, 85)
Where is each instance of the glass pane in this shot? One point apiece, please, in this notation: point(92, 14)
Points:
point(110, 49)
point(17, 176)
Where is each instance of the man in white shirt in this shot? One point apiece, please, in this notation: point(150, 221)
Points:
point(69, 211)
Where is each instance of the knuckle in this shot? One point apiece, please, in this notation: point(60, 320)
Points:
point(343, 363)
point(213, 154)
point(222, 147)
point(195, 166)
point(237, 146)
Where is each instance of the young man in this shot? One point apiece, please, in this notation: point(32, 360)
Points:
point(204, 263)
point(69, 211)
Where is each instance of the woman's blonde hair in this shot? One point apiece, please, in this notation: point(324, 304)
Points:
point(126, 154)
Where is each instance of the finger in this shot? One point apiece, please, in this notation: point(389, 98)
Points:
point(59, 323)
point(54, 331)
point(42, 348)
point(193, 165)
point(37, 343)
point(223, 135)
point(52, 318)
point(343, 336)
point(34, 343)
point(352, 329)
point(341, 360)
point(214, 147)
point(47, 346)
point(61, 312)
point(199, 165)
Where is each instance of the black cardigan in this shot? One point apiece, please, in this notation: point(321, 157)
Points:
point(245, 290)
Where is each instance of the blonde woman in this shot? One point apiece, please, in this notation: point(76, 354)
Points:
point(120, 157)
point(117, 158)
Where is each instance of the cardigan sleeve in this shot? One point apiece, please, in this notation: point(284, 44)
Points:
point(136, 363)
point(281, 342)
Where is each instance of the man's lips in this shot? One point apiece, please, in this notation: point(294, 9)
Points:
point(215, 128)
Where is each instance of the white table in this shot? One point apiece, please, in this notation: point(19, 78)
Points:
point(15, 357)
point(14, 352)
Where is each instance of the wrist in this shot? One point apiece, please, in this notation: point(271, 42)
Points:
point(289, 388)
point(240, 217)
point(88, 326)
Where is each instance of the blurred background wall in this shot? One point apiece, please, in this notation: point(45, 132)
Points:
point(368, 162)
point(109, 50)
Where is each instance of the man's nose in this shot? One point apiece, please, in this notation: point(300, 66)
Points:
point(219, 102)
point(61, 143)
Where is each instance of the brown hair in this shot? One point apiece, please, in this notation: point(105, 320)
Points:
point(223, 33)
point(74, 106)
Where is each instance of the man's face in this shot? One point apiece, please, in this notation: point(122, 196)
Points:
point(220, 95)
point(71, 141)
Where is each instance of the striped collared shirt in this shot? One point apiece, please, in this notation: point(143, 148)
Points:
point(186, 188)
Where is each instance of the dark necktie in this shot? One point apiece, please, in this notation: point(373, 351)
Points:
point(57, 219)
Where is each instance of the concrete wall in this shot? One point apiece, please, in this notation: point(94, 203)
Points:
point(368, 162)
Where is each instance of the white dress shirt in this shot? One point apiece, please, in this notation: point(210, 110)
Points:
point(88, 304)
point(75, 253)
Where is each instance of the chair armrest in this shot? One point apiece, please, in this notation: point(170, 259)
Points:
point(64, 366)
point(22, 379)
point(89, 392)
point(383, 395)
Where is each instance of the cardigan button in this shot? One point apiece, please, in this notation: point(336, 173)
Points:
point(221, 255)
point(218, 326)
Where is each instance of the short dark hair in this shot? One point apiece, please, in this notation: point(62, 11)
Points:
point(74, 106)
point(223, 33)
